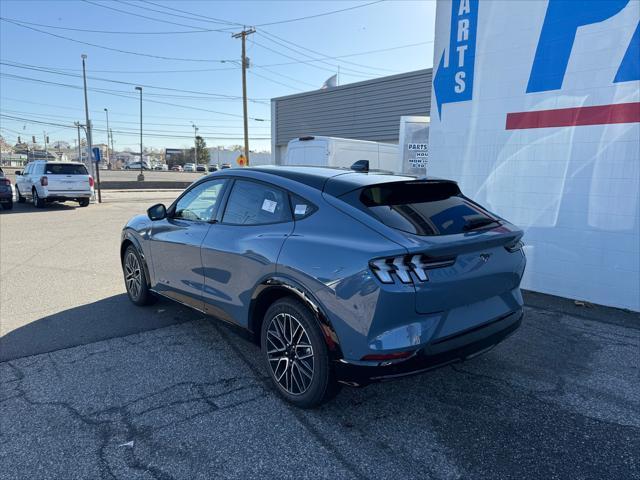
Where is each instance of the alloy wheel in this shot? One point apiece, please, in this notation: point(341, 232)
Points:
point(133, 275)
point(290, 354)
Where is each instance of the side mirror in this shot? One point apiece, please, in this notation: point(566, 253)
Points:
point(18, 172)
point(157, 212)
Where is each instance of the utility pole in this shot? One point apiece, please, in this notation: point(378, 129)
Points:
point(195, 143)
point(44, 137)
point(86, 113)
point(77, 124)
point(243, 35)
point(140, 175)
point(112, 150)
point(106, 110)
point(95, 168)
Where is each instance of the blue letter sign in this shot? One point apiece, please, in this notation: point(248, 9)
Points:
point(561, 22)
point(453, 81)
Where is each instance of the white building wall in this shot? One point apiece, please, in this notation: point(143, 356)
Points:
point(575, 190)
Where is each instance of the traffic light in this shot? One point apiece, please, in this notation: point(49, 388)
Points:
point(19, 139)
point(47, 140)
point(33, 138)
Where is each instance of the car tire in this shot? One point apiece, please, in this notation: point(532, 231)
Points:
point(21, 199)
point(296, 354)
point(8, 205)
point(135, 278)
point(37, 201)
point(84, 202)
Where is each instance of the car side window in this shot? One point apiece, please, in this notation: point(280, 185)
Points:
point(253, 203)
point(301, 208)
point(200, 202)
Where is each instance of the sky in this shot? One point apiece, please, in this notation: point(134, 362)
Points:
point(183, 55)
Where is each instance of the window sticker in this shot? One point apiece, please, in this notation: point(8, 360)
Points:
point(300, 209)
point(269, 205)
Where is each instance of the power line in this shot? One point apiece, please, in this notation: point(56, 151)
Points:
point(146, 17)
point(277, 22)
point(55, 72)
point(315, 52)
point(110, 32)
point(317, 15)
point(120, 93)
point(216, 20)
point(192, 17)
point(66, 107)
point(135, 132)
point(160, 57)
point(118, 122)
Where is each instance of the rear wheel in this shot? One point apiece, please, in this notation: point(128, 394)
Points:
point(37, 201)
point(84, 202)
point(21, 199)
point(296, 354)
point(135, 279)
point(8, 205)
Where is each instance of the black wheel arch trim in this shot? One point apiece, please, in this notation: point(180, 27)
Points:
point(295, 289)
point(130, 237)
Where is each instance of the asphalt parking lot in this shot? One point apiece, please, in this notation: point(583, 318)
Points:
point(94, 387)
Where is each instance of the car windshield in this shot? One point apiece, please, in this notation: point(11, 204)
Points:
point(422, 207)
point(65, 169)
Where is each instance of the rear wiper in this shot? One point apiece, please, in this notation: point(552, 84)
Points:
point(474, 223)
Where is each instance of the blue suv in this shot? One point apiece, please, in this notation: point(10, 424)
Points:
point(342, 277)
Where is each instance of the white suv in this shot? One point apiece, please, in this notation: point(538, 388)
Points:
point(44, 181)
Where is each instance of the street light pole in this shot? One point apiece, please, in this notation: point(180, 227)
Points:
point(106, 110)
point(141, 175)
point(195, 142)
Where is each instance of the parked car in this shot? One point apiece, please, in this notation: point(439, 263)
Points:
point(162, 167)
point(201, 168)
point(43, 181)
point(189, 167)
point(214, 167)
point(225, 165)
point(177, 168)
point(136, 166)
point(6, 191)
point(340, 277)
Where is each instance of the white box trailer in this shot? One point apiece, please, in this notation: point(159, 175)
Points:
point(342, 152)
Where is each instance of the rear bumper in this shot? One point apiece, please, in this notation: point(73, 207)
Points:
point(440, 352)
point(66, 195)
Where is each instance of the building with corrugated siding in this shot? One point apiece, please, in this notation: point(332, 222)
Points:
point(368, 110)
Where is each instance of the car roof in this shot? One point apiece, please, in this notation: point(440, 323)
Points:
point(333, 180)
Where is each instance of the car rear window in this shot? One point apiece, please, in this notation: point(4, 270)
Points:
point(421, 207)
point(65, 169)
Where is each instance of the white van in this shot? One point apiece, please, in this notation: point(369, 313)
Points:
point(342, 152)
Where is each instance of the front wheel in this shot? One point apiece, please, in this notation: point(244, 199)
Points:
point(135, 279)
point(21, 199)
point(296, 354)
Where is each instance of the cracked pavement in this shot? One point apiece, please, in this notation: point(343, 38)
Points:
point(94, 388)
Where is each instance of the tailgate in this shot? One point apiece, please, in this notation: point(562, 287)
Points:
point(475, 267)
point(71, 183)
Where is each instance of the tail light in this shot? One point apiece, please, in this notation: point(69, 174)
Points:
point(407, 268)
point(44, 181)
point(6, 181)
point(91, 182)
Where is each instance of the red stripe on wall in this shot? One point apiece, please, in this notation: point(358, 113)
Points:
point(571, 117)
